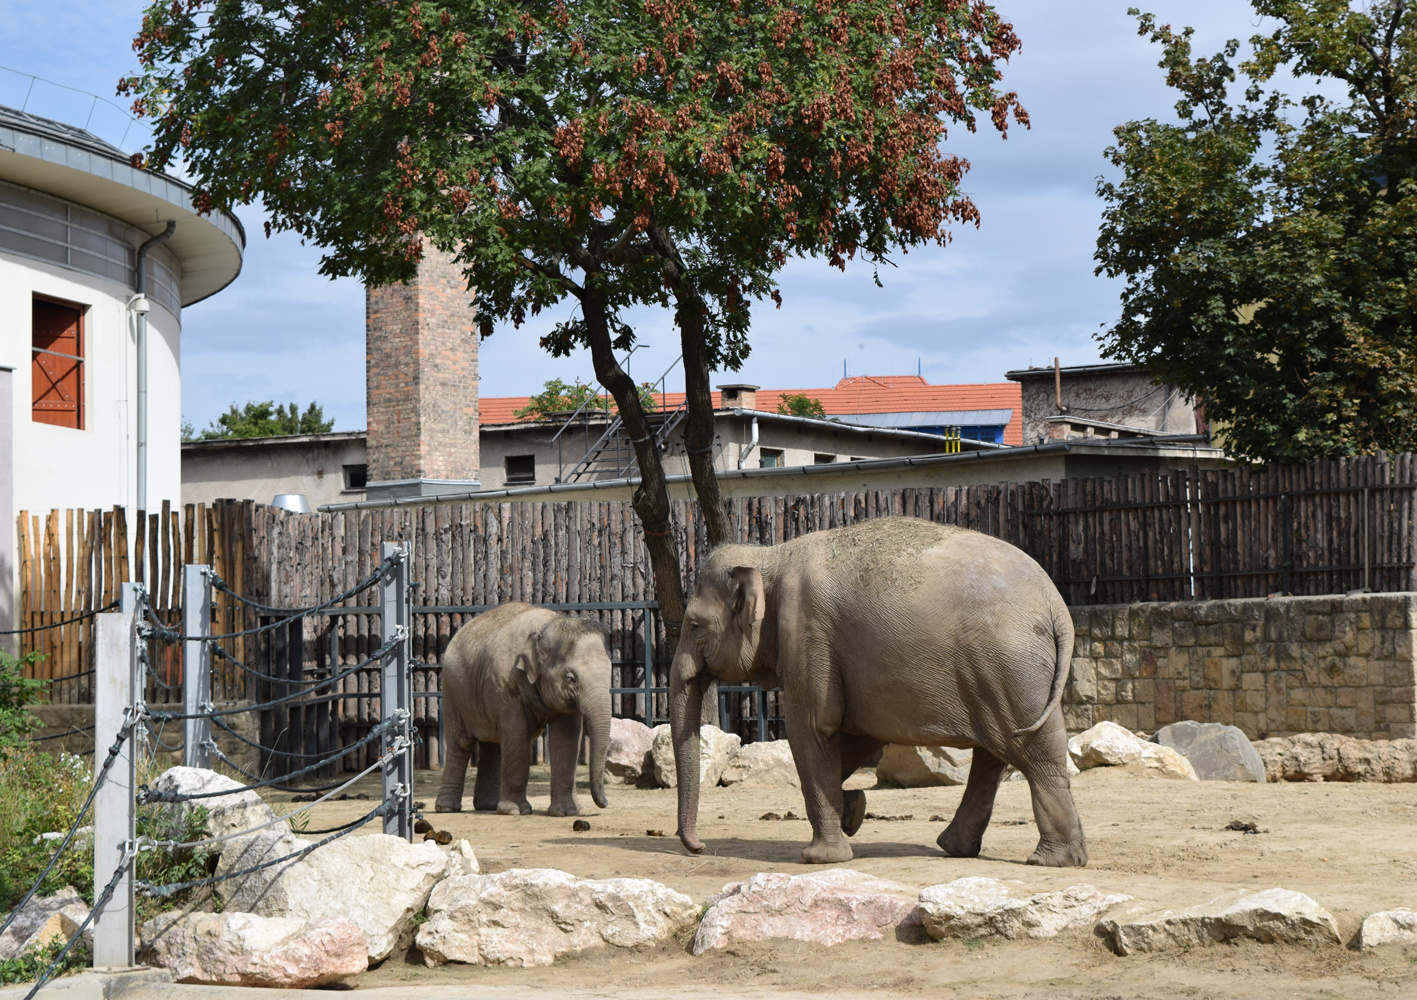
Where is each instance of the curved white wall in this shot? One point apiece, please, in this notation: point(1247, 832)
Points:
point(58, 467)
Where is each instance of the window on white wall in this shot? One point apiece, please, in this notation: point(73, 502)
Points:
point(57, 364)
point(770, 458)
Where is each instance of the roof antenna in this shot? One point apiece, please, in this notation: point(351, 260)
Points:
point(918, 372)
point(843, 368)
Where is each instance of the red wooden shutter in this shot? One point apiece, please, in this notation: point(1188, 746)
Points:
point(57, 367)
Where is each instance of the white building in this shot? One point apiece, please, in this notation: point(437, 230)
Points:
point(74, 215)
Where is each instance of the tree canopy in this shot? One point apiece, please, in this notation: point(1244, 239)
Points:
point(1267, 240)
point(557, 396)
point(269, 419)
point(799, 404)
point(613, 152)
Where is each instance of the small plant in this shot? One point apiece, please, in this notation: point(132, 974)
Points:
point(27, 967)
point(17, 692)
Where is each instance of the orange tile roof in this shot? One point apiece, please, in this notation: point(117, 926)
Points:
point(857, 394)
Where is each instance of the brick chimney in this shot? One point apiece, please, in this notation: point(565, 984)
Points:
point(739, 396)
point(421, 394)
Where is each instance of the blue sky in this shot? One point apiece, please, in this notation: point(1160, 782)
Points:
point(1018, 290)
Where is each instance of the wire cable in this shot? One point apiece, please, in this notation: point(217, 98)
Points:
point(274, 679)
point(99, 903)
point(148, 889)
point(68, 621)
point(275, 782)
point(252, 743)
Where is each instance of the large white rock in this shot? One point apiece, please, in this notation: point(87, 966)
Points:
point(243, 949)
point(765, 763)
point(1273, 916)
point(43, 919)
point(826, 908)
point(628, 753)
point(715, 747)
point(985, 907)
point(238, 812)
point(378, 881)
point(528, 917)
point(1109, 745)
point(922, 767)
point(1388, 927)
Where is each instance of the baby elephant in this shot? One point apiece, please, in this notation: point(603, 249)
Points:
point(506, 674)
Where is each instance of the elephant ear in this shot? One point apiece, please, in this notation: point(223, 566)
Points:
point(745, 590)
point(529, 659)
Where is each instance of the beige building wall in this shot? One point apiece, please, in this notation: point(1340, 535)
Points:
point(1118, 394)
point(259, 468)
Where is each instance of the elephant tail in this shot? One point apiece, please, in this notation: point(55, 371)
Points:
point(1063, 638)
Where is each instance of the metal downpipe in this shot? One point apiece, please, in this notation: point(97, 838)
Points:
point(142, 349)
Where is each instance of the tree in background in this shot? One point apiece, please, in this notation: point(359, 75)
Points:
point(613, 152)
point(269, 419)
point(799, 404)
point(1268, 242)
point(559, 397)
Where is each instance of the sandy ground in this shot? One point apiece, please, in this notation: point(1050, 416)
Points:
point(1351, 847)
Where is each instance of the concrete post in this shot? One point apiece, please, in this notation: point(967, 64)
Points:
point(196, 665)
point(396, 690)
point(115, 688)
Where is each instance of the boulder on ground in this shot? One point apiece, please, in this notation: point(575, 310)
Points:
point(1272, 916)
point(765, 763)
point(238, 812)
point(826, 908)
point(1330, 757)
point(1388, 927)
point(985, 907)
point(715, 747)
point(628, 755)
point(1109, 745)
point(1217, 752)
point(922, 767)
point(243, 949)
point(378, 881)
point(528, 917)
point(42, 920)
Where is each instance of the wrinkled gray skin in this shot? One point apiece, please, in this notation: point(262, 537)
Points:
point(894, 630)
point(507, 674)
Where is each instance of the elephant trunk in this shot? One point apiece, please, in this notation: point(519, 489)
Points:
point(597, 725)
point(685, 701)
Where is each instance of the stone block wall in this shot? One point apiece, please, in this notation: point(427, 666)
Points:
point(1273, 667)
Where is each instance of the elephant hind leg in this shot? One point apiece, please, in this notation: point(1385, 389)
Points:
point(489, 777)
point(855, 751)
point(965, 834)
point(1061, 843)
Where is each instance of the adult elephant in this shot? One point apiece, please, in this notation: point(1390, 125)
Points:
point(507, 674)
point(894, 630)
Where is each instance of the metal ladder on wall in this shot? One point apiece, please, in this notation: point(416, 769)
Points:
point(612, 456)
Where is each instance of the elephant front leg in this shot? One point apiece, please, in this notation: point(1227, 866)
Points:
point(454, 772)
point(516, 766)
point(818, 761)
point(488, 790)
point(563, 748)
point(965, 834)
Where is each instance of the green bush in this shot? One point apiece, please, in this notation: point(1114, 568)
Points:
point(16, 692)
point(27, 967)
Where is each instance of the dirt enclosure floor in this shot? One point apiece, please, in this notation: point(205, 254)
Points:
point(1352, 847)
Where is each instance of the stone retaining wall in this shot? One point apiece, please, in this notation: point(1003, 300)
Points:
point(1273, 667)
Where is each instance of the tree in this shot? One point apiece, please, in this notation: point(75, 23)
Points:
point(799, 404)
point(269, 419)
point(615, 152)
point(558, 397)
point(1267, 243)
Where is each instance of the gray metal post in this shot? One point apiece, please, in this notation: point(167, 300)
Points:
point(196, 665)
point(115, 690)
point(396, 691)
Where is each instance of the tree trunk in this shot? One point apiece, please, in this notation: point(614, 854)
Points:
point(651, 499)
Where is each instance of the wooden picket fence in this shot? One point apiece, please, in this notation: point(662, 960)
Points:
point(1325, 527)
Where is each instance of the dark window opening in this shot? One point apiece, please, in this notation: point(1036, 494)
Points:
point(521, 469)
point(57, 364)
point(819, 458)
point(356, 477)
point(770, 458)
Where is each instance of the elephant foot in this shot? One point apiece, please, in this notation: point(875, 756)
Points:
point(959, 845)
point(447, 806)
point(1060, 855)
point(564, 809)
point(483, 805)
point(509, 808)
point(827, 852)
point(854, 812)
